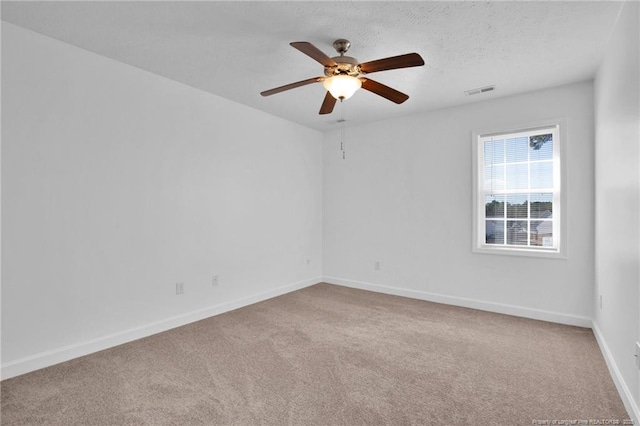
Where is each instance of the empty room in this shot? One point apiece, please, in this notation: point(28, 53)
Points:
point(320, 213)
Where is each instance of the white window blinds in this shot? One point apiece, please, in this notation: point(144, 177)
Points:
point(518, 197)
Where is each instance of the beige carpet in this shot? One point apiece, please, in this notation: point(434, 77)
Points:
point(328, 355)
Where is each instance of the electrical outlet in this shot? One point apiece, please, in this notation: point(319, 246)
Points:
point(376, 265)
point(637, 355)
point(308, 261)
point(214, 281)
point(179, 288)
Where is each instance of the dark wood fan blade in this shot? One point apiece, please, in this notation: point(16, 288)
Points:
point(291, 86)
point(394, 62)
point(385, 91)
point(328, 104)
point(313, 52)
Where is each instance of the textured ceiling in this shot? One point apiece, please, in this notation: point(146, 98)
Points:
point(238, 49)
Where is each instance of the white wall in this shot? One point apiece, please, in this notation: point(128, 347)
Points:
point(117, 183)
point(617, 106)
point(403, 196)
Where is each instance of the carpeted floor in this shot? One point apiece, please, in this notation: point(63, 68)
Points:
point(328, 355)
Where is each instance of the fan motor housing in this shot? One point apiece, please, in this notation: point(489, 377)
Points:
point(345, 65)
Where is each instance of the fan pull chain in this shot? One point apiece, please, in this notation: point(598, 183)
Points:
point(342, 120)
point(342, 140)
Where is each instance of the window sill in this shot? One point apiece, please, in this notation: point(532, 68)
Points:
point(510, 251)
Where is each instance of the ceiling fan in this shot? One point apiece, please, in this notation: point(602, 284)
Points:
point(344, 75)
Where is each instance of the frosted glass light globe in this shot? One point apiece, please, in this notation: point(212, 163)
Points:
point(342, 86)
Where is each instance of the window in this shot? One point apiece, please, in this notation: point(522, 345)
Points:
point(517, 192)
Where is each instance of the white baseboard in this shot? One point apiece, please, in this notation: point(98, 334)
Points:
point(66, 353)
point(518, 311)
point(623, 389)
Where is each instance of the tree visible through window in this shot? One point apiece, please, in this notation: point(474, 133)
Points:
point(518, 194)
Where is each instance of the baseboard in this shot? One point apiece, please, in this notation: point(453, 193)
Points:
point(482, 305)
point(623, 389)
point(66, 353)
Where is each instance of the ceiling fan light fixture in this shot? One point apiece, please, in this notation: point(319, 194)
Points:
point(342, 86)
point(342, 74)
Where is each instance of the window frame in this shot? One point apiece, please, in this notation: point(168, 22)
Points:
point(559, 192)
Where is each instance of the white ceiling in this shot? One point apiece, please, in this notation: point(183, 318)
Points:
point(238, 49)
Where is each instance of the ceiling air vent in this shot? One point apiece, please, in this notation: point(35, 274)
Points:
point(479, 90)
